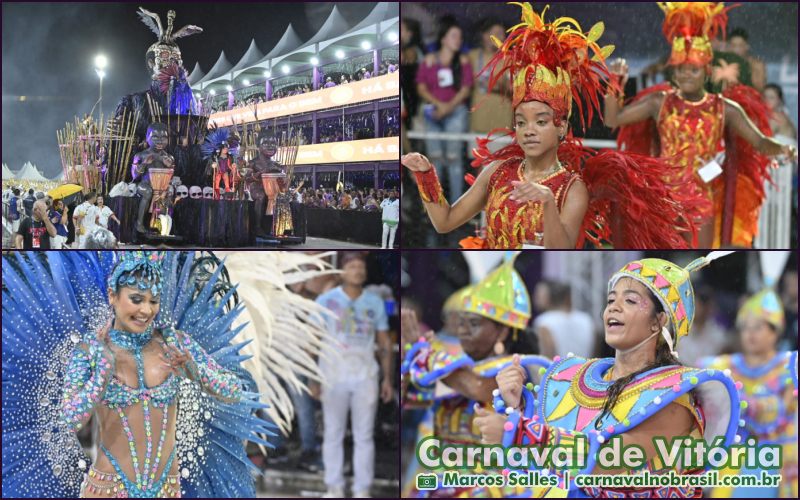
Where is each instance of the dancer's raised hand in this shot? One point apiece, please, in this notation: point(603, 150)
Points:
point(416, 162)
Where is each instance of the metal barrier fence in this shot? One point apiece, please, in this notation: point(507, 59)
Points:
point(775, 220)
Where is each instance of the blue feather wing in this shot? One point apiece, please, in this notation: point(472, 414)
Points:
point(44, 311)
point(49, 300)
point(213, 450)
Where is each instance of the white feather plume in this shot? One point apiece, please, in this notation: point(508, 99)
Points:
point(288, 331)
point(772, 264)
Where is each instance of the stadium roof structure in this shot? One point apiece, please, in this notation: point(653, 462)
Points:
point(30, 173)
point(197, 74)
point(221, 68)
point(7, 173)
point(380, 29)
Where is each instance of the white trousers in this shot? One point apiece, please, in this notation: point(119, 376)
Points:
point(57, 242)
point(388, 231)
point(361, 399)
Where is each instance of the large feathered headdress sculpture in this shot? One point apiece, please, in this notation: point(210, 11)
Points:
point(550, 62)
point(165, 51)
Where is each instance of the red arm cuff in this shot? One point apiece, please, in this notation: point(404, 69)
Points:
point(430, 190)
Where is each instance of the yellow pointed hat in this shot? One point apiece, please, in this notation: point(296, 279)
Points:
point(766, 304)
point(502, 296)
point(455, 302)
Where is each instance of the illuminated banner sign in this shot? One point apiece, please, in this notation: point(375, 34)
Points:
point(382, 149)
point(380, 87)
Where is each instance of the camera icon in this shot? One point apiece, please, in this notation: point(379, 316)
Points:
point(427, 481)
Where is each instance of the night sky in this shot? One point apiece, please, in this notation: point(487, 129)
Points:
point(49, 50)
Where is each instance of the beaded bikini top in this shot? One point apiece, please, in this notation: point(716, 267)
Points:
point(120, 395)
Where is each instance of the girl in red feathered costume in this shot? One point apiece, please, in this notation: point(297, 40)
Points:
point(689, 127)
point(546, 189)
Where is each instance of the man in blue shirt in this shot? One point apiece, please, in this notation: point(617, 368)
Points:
point(352, 379)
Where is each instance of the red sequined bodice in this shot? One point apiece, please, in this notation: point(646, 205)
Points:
point(509, 224)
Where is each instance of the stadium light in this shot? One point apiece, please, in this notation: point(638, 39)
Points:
point(366, 45)
point(392, 36)
point(314, 61)
point(285, 69)
point(246, 83)
point(100, 73)
point(228, 88)
point(212, 92)
point(267, 73)
point(100, 61)
point(340, 54)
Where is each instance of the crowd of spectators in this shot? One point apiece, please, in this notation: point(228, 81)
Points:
point(329, 80)
point(366, 199)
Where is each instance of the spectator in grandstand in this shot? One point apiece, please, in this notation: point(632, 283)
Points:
point(444, 82)
point(329, 83)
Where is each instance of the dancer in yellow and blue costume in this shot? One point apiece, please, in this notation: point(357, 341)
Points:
point(769, 388)
point(451, 379)
point(574, 399)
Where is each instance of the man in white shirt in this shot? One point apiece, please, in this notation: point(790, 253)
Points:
point(391, 218)
point(561, 329)
point(352, 381)
point(104, 213)
point(85, 218)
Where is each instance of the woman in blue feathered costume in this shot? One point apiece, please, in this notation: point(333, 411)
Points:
point(133, 340)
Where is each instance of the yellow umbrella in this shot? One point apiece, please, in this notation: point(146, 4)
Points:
point(64, 190)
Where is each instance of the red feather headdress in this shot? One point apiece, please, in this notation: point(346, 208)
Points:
point(550, 62)
point(690, 27)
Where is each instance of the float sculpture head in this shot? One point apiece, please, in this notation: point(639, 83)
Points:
point(165, 51)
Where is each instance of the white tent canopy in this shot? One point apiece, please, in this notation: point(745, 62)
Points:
point(220, 68)
point(252, 56)
point(31, 173)
point(334, 26)
point(288, 42)
point(7, 173)
point(196, 75)
point(379, 27)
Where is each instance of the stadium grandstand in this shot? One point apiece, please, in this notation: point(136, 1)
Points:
point(337, 91)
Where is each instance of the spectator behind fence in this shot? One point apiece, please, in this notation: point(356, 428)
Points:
point(738, 43)
point(444, 82)
point(779, 120)
point(410, 58)
point(493, 110)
